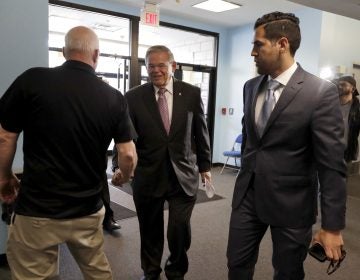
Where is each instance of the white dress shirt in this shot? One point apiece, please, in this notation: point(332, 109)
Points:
point(283, 79)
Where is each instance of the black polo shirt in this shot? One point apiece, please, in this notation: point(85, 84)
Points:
point(68, 117)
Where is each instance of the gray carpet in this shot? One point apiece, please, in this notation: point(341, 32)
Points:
point(353, 183)
point(200, 198)
point(207, 255)
point(121, 212)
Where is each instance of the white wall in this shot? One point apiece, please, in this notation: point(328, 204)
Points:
point(340, 44)
point(238, 68)
point(23, 32)
point(309, 50)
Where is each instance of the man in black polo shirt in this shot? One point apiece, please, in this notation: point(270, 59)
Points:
point(68, 117)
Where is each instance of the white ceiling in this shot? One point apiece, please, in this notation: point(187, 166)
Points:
point(249, 12)
point(348, 8)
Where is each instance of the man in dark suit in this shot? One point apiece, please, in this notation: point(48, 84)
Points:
point(172, 149)
point(284, 158)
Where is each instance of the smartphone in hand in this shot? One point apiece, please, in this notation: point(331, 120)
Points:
point(318, 252)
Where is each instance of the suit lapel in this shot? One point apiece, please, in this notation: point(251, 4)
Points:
point(288, 94)
point(178, 106)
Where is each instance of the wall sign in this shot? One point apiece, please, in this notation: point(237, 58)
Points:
point(150, 15)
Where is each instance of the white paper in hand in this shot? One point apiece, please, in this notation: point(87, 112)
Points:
point(209, 188)
point(110, 183)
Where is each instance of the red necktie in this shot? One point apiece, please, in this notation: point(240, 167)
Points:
point(163, 108)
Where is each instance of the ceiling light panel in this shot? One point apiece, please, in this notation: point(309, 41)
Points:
point(216, 6)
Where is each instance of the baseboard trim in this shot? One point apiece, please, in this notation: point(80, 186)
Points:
point(219, 164)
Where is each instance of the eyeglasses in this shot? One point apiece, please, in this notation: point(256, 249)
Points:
point(334, 265)
point(318, 252)
point(161, 66)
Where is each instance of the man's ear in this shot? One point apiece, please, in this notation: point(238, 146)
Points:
point(95, 56)
point(284, 44)
point(64, 52)
point(173, 66)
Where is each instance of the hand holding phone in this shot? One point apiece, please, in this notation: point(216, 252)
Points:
point(318, 252)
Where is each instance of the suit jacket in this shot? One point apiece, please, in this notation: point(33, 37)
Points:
point(187, 145)
point(301, 146)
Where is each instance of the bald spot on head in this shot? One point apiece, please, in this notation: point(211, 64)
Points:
point(82, 44)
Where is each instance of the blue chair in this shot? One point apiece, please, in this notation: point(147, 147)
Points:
point(234, 153)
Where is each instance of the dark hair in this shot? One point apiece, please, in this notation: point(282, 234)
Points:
point(348, 79)
point(278, 24)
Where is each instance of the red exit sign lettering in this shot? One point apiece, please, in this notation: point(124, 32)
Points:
point(150, 15)
point(151, 18)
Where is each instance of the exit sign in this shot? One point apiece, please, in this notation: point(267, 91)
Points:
point(150, 15)
point(152, 18)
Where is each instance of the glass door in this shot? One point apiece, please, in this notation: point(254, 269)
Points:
point(201, 80)
point(204, 78)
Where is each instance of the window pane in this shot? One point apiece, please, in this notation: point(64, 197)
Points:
point(115, 71)
point(187, 47)
point(56, 58)
point(113, 32)
point(201, 80)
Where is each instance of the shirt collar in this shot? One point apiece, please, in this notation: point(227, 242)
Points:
point(285, 76)
point(169, 87)
point(80, 65)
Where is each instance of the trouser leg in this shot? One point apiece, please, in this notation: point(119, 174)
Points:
point(290, 248)
point(150, 212)
point(86, 246)
point(179, 234)
point(245, 234)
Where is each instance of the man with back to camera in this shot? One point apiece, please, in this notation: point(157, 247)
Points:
point(284, 156)
point(350, 108)
point(173, 148)
point(68, 117)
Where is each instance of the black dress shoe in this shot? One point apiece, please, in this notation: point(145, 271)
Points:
point(110, 225)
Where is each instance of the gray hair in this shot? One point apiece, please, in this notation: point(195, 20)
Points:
point(157, 49)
